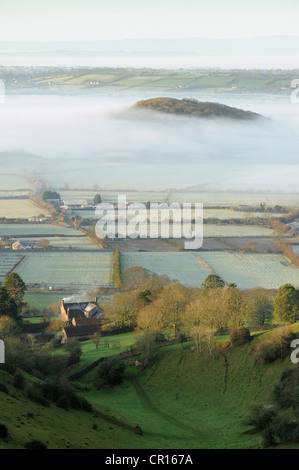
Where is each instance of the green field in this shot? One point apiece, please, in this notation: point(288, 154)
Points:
point(41, 300)
point(108, 346)
point(102, 79)
point(57, 428)
point(186, 400)
point(72, 270)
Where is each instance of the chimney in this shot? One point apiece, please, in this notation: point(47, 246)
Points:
point(96, 300)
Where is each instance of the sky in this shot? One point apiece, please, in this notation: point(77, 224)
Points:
point(60, 20)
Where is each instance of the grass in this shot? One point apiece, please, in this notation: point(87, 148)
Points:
point(185, 400)
point(108, 346)
point(191, 400)
point(41, 300)
point(57, 428)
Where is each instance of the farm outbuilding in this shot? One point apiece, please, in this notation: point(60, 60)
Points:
point(79, 333)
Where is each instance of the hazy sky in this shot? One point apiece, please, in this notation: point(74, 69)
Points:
point(44, 20)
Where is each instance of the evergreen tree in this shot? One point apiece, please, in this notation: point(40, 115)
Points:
point(286, 304)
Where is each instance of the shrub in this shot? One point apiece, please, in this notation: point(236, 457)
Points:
point(284, 429)
point(35, 444)
point(286, 391)
point(64, 395)
point(18, 380)
point(268, 438)
point(3, 388)
point(35, 394)
point(146, 344)
point(63, 402)
point(4, 434)
point(240, 336)
point(277, 347)
point(281, 430)
point(259, 417)
point(110, 372)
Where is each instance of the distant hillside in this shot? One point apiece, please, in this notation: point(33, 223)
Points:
point(192, 107)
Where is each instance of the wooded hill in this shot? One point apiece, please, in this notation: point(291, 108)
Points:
point(192, 107)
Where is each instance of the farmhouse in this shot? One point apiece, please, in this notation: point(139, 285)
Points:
point(23, 245)
point(72, 311)
point(5, 242)
point(77, 203)
point(80, 333)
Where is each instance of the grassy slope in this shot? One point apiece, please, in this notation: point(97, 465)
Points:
point(185, 400)
point(188, 400)
point(58, 428)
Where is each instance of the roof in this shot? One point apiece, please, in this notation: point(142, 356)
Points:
point(34, 328)
point(79, 309)
point(90, 307)
point(80, 331)
point(86, 321)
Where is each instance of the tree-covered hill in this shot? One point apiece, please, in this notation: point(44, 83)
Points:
point(192, 107)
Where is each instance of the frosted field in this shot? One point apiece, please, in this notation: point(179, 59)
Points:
point(184, 267)
point(213, 230)
point(246, 270)
point(251, 270)
point(14, 208)
point(7, 262)
point(35, 229)
point(112, 196)
point(81, 270)
point(221, 214)
point(77, 243)
point(236, 198)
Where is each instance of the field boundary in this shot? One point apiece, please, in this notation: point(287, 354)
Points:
point(210, 268)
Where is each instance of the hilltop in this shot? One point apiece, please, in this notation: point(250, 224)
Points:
point(192, 107)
